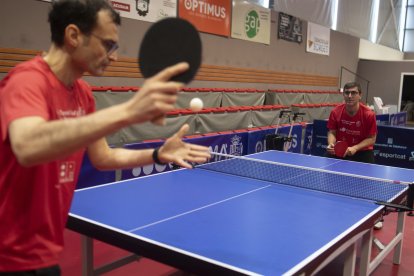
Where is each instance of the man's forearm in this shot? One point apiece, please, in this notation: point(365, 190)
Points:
point(331, 138)
point(120, 158)
point(365, 143)
point(36, 141)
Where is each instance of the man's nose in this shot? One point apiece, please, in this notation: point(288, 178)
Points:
point(113, 56)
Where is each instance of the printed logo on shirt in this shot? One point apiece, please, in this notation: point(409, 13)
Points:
point(346, 122)
point(67, 172)
point(358, 124)
point(70, 113)
point(353, 132)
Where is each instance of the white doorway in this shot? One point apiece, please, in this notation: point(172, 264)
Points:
point(406, 96)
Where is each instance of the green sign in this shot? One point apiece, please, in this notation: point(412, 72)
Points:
point(252, 24)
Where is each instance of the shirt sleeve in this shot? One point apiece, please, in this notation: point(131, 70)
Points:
point(22, 95)
point(372, 123)
point(332, 121)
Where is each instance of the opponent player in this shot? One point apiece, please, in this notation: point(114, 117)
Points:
point(354, 123)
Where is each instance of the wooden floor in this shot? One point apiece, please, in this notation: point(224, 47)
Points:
point(71, 258)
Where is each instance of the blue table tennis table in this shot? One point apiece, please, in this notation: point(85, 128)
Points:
point(211, 223)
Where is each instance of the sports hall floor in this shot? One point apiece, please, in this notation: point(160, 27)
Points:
point(71, 258)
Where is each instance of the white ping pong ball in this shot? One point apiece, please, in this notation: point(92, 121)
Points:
point(196, 104)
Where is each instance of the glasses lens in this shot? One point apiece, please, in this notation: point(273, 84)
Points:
point(109, 45)
point(353, 93)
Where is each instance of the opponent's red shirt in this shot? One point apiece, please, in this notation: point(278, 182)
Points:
point(35, 201)
point(353, 129)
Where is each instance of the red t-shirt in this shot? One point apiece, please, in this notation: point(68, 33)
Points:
point(35, 201)
point(353, 129)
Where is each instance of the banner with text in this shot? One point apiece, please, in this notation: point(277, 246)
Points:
point(209, 16)
point(394, 147)
point(318, 39)
point(234, 144)
point(398, 119)
point(250, 22)
point(257, 139)
point(319, 137)
point(146, 10)
point(393, 119)
point(290, 28)
point(307, 141)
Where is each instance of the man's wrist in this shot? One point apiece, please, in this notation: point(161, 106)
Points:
point(156, 158)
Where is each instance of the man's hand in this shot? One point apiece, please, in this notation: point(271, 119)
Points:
point(330, 149)
point(156, 97)
point(176, 151)
point(350, 151)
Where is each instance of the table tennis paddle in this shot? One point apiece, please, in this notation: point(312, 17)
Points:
point(340, 148)
point(168, 42)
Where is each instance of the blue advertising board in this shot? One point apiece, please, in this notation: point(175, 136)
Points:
point(398, 119)
point(319, 137)
point(394, 146)
point(89, 176)
point(233, 143)
point(393, 119)
point(307, 140)
point(257, 139)
point(383, 119)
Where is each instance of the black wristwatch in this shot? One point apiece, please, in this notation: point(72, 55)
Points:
point(155, 157)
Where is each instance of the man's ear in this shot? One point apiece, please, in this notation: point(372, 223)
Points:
point(73, 36)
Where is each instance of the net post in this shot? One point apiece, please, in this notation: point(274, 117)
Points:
point(410, 198)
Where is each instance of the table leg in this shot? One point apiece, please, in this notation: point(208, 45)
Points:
point(88, 268)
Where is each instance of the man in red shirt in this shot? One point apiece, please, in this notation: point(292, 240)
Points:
point(354, 123)
point(48, 121)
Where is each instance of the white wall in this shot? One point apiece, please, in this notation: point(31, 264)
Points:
point(371, 51)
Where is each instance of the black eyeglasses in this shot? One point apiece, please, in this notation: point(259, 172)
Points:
point(353, 93)
point(109, 45)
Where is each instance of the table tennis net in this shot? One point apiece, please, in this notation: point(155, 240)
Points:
point(308, 178)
